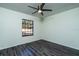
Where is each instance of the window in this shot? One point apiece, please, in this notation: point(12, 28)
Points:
point(27, 27)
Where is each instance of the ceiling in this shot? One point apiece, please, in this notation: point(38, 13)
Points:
point(56, 7)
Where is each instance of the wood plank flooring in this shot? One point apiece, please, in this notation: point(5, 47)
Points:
point(39, 48)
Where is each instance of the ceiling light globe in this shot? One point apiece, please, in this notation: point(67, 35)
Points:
point(39, 11)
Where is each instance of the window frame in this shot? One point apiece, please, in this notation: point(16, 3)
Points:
point(25, 33)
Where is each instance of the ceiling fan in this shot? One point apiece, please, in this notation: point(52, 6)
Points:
point(40, 9)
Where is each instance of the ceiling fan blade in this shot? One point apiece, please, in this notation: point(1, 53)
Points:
point(34, 12)
point(38, 7)
point(46, 10)
point(42, 13)
point(42, 5)
point(32, 7)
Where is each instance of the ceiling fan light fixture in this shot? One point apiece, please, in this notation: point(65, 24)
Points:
point(39, 11)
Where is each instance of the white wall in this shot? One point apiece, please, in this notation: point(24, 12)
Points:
point(10, 28)
point(63, 28)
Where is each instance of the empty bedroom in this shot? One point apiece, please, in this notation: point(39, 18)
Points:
point(39, 29)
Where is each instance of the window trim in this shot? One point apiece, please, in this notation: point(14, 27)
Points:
point(26, 34)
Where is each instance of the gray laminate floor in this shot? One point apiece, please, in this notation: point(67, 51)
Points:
point(39, 48)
